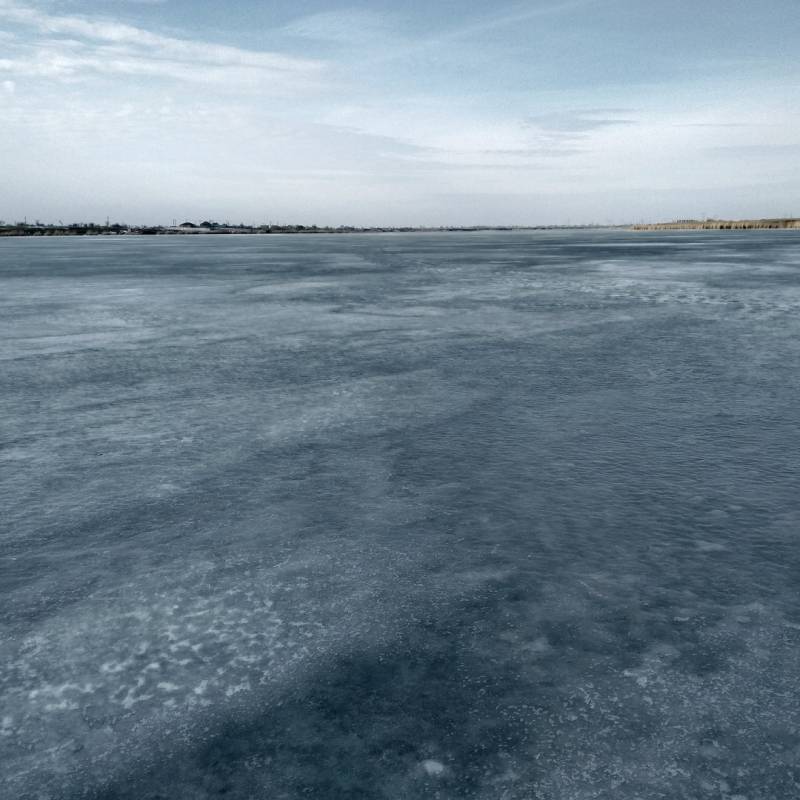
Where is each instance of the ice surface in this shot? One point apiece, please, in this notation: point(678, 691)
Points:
point(486, 515)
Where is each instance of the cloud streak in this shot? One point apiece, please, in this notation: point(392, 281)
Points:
point(480, 27)
point(345, 27)
point(96, 47)
point(579, 122)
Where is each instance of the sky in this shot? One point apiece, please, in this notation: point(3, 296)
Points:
point(399, 113)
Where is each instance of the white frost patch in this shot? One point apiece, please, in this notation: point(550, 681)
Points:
point(291, 287)
point(433, 768)
point(244, 686)
point(58, 691)
point(164, 489)
point(709, 547)
point(62, 705)
point(539, 645)
point(115, 667)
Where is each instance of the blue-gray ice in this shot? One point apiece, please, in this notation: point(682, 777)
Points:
point(401, 516)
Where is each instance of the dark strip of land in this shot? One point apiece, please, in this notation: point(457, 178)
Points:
point(718, 224)
point(91, 229)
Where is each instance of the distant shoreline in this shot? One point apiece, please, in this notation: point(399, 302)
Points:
point(263, 230)
point(720, 225)
point(214, 229)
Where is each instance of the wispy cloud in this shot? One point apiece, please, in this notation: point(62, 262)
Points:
point(757, 150)
point(514, 16)
point(101, 46)
point(449, 136)
point(482, 26)
point(381, 36)
point(723, 125)
point(580, 121)
point(343, 26)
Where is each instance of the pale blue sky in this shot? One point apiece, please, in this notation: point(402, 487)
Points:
point(399, 113)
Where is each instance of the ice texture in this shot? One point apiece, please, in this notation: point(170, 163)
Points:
point(490, 515)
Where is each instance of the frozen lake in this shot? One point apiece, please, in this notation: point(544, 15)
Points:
point(401, 516)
